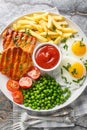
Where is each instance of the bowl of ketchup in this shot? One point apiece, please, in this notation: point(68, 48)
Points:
point(46, 56)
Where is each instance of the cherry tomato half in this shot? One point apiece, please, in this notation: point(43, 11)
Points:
point(25, 82)
point(17, 97)
point(12, 85)
point(34, 72)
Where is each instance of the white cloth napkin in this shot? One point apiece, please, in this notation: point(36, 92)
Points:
point(79, 109)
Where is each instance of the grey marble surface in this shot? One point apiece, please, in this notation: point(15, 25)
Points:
point(11, 9)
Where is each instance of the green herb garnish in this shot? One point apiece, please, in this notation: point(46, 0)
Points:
point(74, 71)
point(85, 64)
point(53, 28)
point(72, 36)
point(65, 79)
point(27, 31)
point(65, 47)
point(20, 66)
point(67, 67)
point(81, 43)
point(46, 35)
point(15, 39)
point(61, 71)
point(64, 40)
point(77, 81)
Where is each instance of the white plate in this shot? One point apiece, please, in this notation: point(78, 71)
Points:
point(75, 94)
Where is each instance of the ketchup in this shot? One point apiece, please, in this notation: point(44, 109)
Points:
point(47, 56)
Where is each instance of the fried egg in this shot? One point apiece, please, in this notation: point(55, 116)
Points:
point(72, 72)
point(76, 48)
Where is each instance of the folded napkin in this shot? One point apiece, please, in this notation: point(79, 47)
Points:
point(78, 109)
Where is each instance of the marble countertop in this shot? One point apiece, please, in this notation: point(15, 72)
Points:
point(76, 10)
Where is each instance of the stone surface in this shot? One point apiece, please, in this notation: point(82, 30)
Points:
point(11, 9)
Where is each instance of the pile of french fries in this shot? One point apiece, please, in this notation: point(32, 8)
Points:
point(45, 26)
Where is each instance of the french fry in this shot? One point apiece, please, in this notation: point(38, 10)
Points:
point(59, 32)
point(25, 22)
point(49, 25)
point(66, 35)
point(39, 37)
point(49, 33)
point(58, 17)
point(56, 25)
point(28, 18)
point(45, 26)
point(69, 30)
point(57, 40)
point(63, 23)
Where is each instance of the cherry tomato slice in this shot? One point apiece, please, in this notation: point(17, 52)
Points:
point(25, 82)
point(12, 85)
point(34, 72)
point(17, 97)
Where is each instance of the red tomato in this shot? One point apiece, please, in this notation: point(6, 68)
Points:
point(34, 72)
point(12, 85)
point(25, 82)
point(17, 97)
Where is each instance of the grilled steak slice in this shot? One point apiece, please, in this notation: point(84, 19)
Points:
point(15, 62)
point(13, 38)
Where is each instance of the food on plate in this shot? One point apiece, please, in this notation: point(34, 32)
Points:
point(73, 71)
point(45, 26)
point(47, 56)
point(79, 48)
point(45, 94)
point(13, 38)
point(12, 85)
point(34, 72)
point(25, 82)
point(15, 62)
point(22, 59)
point(18, 97)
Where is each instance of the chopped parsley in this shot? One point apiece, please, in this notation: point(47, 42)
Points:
point(85, 64)
point(64, 40)
point(20, 66)
point(25, 43)
point(15, 39)
point(61, 71)
point(53, 28)
point(77, 81)
point(74, 71)
point(27, 31)
point(67, 67)
point(65, 46)
point(65, 80)
point(81, 43)
point(46, 35)
point(72, 36)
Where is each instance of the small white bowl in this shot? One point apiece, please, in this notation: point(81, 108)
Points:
point(34, 54)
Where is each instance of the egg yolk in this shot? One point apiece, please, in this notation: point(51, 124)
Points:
point(78, 48)
point(76, 70)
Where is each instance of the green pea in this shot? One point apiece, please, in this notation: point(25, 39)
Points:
point(45, 94)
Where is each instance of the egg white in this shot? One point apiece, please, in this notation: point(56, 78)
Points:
point(67, 51)
point(65, 78)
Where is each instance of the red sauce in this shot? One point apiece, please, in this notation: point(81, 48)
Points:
point(47, 56)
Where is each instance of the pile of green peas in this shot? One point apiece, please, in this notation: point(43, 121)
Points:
point(45, 94)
